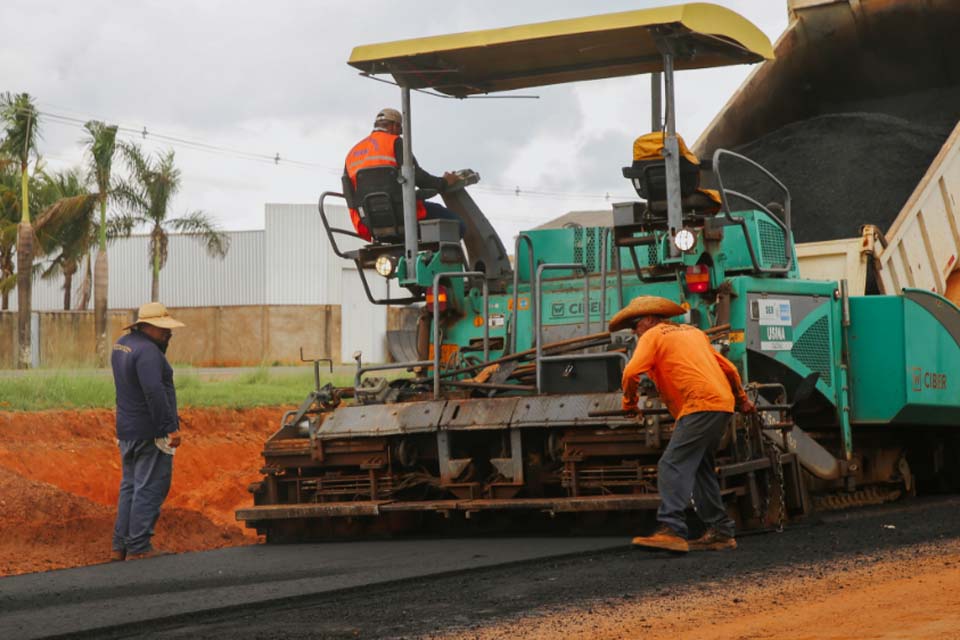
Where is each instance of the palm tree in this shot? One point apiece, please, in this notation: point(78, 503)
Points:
point(19, 116)
point(153, 184)
point(70, 229)
point(101, 144)
point(68, 224)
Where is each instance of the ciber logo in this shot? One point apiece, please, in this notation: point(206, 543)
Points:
point(928, 380)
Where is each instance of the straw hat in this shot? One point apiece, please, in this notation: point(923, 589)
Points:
point(156, 314)
point(644, 306)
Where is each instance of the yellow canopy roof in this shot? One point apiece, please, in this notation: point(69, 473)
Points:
point(604, 46)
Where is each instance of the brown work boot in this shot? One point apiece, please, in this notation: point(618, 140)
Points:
point(663, 538)
point(713, 540)
point(118, 555)
point(153, 553)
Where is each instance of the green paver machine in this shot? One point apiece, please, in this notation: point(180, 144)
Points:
point(508, 408)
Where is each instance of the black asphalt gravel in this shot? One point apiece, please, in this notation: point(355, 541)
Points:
point(475, 597)
point(852, 164)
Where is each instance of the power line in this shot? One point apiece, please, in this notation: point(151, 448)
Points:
point(144, 133)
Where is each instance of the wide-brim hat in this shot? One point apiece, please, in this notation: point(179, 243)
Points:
point(156, 314)
point(644, 306)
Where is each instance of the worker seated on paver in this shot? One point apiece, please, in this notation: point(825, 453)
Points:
point(372, 189)
point(648, 173)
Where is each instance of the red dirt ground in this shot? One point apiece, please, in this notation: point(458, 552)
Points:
point(60, 473)
point(914, 595)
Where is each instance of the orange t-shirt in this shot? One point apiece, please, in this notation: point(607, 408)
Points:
point(690, 375)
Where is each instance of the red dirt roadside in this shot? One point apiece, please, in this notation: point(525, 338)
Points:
point(60, 472)
point(913, 595)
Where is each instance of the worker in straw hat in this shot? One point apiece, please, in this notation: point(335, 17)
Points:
point(701, 389)
point(148, 428)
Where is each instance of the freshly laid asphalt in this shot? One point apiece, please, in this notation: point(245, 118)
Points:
point(94, 599)
point(406, 589)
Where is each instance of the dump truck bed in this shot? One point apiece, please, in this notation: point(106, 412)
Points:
point(841, 64)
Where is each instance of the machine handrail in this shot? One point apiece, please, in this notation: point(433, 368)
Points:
point(331, 230)
point(360, 269)
point(515, 318)
point(604, 241)
point(537, 321)
point(436, 320)
point(785, 226)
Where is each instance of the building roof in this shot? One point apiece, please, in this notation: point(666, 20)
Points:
point(582, 218)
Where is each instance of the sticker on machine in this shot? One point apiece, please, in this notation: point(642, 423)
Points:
point(776, 338)
point(776, 320)
point(775, 312)
point(496, 320)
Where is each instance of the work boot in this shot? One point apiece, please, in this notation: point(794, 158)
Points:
point(663, 538)
point(118, 555)
point(152, 553)
point(713, 540)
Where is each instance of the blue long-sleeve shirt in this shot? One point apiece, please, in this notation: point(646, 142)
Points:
point(146, 398)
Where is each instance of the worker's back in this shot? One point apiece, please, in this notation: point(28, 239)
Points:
point(686, 369)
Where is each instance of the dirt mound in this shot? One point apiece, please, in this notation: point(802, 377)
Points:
point(60, 473)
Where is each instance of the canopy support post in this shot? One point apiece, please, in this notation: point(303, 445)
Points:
point(410, 231)
point(671, 152)
point(656, 101)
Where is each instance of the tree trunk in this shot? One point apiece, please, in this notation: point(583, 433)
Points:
point(100, 284)
point(155, 285)
point(85, 286)
point(68, 270)
point(7, 269)
point(24, 292)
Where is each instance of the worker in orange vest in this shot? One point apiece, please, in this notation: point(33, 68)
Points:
point(384, 147)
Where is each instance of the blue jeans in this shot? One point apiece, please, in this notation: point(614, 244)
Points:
point(437, 211)
point(143, 487)
point(687, 469)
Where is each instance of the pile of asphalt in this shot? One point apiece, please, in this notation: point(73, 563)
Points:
point(857, 163)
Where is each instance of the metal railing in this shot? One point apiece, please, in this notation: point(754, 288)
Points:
point(515, 317)
point(783, 224)
point(538, 294)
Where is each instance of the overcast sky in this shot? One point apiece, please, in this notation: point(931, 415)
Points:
point(271, 77)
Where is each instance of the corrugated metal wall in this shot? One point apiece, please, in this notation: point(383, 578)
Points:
point(190, 278)
point(290, 262)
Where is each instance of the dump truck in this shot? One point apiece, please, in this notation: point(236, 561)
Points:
point(508, 411)
point(886, 61)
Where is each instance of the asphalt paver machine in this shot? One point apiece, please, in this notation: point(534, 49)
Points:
point(506, 411)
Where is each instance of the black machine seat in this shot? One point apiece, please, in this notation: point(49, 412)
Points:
point(379, 199)
point(649, 178)
point(648, 174)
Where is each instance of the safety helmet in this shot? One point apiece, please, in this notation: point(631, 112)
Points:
point(388, 115)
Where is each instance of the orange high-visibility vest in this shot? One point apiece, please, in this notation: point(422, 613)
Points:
point(376, 150)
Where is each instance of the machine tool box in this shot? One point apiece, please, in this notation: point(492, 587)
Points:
point(598, 374)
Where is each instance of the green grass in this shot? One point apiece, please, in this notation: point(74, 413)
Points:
point(257, 388)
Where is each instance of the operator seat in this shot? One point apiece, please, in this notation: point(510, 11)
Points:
point(648, 173)
point(379, 199)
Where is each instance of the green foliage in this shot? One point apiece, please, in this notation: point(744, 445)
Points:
point(70, 390)
point(154, 181)
point(21, 132)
